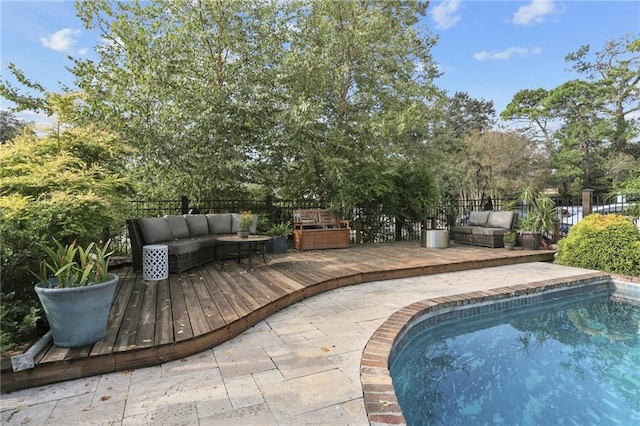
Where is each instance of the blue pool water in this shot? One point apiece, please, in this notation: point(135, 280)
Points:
point(574, 361)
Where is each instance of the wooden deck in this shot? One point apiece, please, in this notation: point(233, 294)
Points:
point(155, 322)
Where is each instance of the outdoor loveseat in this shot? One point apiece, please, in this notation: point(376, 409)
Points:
point(191, 239)
point(485, 228)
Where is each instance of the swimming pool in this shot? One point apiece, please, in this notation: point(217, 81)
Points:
point(567, 356)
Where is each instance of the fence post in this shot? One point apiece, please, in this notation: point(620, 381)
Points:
point(184, 201)
point(587, 201)
point(268, 208)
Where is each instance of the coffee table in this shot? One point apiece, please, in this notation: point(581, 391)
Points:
point(235, 247)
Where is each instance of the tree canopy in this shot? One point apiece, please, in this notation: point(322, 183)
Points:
point(293, 97)
point(588, 126)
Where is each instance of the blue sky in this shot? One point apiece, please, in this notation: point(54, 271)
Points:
point(490, 49)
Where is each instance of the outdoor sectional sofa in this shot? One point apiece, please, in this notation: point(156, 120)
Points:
point(485, 228)
point(191, 239)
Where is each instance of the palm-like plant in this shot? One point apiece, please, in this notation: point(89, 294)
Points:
point(74, 266)
point(540, 212)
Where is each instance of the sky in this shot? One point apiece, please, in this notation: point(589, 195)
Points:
point(489, 49)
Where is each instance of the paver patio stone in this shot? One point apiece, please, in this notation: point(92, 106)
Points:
point(309, 393)
point(243, 391)
point(254, 415)
point(302, 362)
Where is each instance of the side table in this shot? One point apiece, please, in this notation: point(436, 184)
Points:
point(155, 262)
point(435, 238)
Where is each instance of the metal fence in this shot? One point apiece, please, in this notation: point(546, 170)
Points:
point(368, 224)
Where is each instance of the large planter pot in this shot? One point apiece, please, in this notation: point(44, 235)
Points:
point(277, 245)
point(77, 315)
point(530, 240)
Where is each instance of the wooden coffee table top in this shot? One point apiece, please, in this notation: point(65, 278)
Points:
point(249, 239)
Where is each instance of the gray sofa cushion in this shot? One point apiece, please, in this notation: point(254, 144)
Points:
point(219, 223)
point(178, 226)
point(177, 248)
point(462, 229)
point(478, 218)
point(500, 220)
point(478, 230)
point(155, 229)
point(197, 224)
point(206, 240)
point(235, 222)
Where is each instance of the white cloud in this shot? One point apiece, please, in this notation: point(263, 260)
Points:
point(506, 54)
point(533, 13)
point(62, 40)
point(444, 14)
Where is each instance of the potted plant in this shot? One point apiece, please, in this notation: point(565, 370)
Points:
point(76, 291)
point(540, 213)
point(246, 220)
point(279, 243)
point(509, 239)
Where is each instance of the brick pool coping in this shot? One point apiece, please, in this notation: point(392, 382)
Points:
point(380, 399)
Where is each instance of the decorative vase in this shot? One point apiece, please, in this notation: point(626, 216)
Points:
point(509, 246)
point(77, 315)
point(530, 240)
point(243, 233)
point(277, 245)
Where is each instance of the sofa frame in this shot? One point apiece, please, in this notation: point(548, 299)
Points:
point(190, 246)
point(485, 228)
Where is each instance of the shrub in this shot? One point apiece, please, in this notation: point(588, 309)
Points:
point(18, 320)
point(67, 187)
point(608, 243)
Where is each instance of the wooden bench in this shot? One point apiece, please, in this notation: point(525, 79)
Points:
point(319, 229)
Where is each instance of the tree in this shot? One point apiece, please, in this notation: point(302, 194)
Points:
point(10, 126)
point(617, 69)
point(496, 164)
point(285, 95)
point(191, 84)
point(457, 118)
point(587, 126)
point(65, 187)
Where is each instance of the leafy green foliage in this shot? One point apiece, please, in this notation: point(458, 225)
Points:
point(67, 186)
point(587, 126)
point(608, 243)
point(282, 229)
point(18, 319)
point(10, 127)
point(246, 220)
point(74, 266)
point(223, 97)
point(631, 190)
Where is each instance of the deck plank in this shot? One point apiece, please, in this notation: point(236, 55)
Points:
point(225, 307)
point(147, 323)
point(129, 328)
point(153, 322)
point(116, 314)
point(164, 316)
point(197, 317)
point(181, 323)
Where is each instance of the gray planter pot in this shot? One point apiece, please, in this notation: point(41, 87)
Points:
point(78, 315)
point(529, 240)
point(277, 245)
